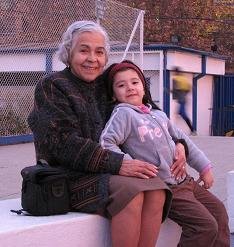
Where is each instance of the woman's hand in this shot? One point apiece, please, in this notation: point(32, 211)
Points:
point(178, 169)
point(138, 168)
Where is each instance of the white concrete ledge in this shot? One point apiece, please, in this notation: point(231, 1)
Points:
point(230, 199)
point(69, 230)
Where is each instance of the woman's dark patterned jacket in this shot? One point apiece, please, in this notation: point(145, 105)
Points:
point(67, 120)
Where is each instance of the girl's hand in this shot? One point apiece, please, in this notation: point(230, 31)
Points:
point(138, 168)
point(207, 179)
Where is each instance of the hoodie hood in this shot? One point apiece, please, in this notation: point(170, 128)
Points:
point(136, 108)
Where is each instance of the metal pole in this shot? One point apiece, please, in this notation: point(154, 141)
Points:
point(142, 40)
point(132, 34)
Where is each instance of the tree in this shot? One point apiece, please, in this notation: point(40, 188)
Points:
point(204, 25)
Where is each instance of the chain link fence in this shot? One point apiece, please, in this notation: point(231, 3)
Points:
point(30, 31)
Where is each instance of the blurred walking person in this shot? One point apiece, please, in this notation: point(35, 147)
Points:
point(181, 88)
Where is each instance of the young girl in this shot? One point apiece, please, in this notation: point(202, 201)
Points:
point(140, 130)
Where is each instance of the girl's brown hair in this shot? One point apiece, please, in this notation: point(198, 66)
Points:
point(123, 66)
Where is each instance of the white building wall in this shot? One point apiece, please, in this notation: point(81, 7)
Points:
point(154, 85)
point(215, 66)
point(151, 59)
point(22, 62)
point(188, 62)
point(204, 105)
point(56, 63)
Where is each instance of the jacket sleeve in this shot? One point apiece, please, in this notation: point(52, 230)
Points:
point(59, 138)
point(196, 158)
point(116, 132)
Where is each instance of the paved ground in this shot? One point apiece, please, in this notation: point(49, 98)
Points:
point(13, 158)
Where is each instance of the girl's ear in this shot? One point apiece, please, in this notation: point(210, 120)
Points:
point(114, 99)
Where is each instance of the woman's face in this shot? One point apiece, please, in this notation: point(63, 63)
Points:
point(128, 87)
point(88, 55)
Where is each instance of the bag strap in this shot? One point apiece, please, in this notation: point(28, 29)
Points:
point(20, 211)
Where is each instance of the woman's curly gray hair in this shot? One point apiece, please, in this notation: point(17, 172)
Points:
point(78, 27)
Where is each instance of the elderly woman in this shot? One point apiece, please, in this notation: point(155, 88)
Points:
point(69, 114)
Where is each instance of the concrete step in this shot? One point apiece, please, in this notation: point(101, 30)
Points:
point(68, 230)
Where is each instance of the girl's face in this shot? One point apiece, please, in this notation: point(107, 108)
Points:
point(88, 55)
point(128, 87)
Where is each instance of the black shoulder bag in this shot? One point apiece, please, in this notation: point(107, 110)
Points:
point(44, 190)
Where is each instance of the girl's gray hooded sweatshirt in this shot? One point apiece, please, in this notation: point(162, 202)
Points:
point(148, 137)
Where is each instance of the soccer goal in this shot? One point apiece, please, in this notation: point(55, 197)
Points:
point(30, 33)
